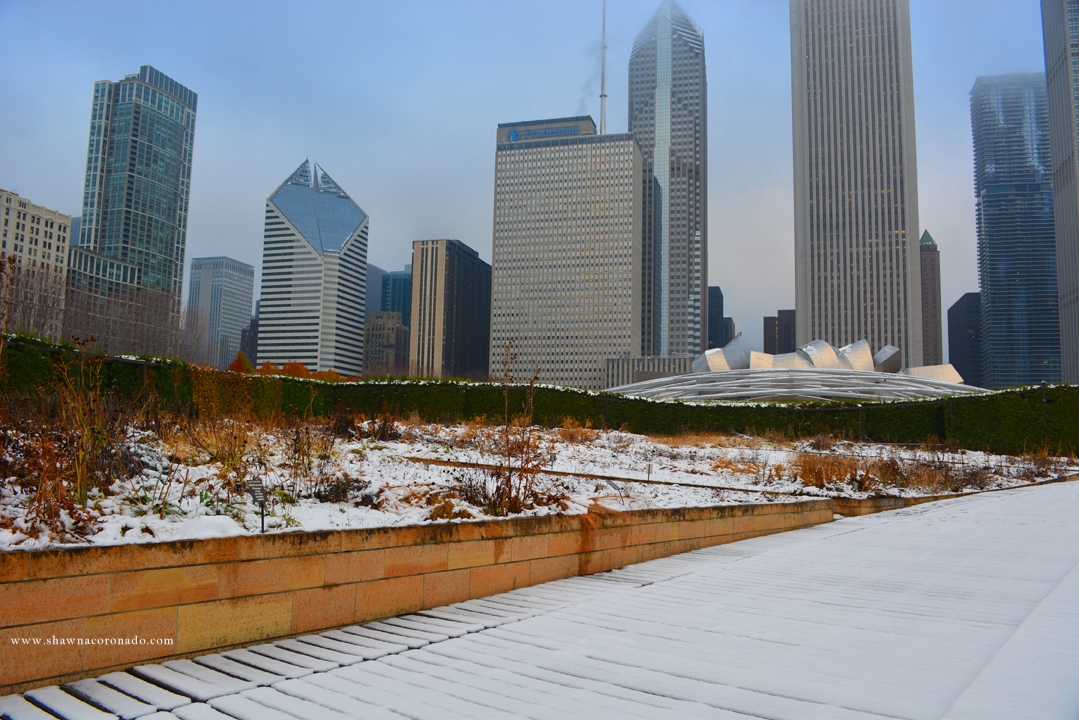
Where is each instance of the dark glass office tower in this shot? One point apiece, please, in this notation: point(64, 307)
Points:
point(779, 332)
point(1060, 27)
point(668, 113)
point(1016, 248)
point(130, 257)
point(964, 338)
point(715, 317)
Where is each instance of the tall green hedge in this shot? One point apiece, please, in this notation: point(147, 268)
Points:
point(1013, 421)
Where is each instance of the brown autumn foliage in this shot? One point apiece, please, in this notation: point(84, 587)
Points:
point(572, 431)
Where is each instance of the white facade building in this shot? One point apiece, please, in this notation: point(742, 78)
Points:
point(566, 287)
point(857, 271)
point(314, 269)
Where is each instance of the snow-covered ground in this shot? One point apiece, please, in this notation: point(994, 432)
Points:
point(192, 482)
point(966, 609)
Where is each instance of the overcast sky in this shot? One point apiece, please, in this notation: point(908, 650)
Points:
point(398, 101)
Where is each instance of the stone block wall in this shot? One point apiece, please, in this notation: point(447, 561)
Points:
point(203, 596)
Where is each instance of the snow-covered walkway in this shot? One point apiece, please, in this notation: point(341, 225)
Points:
point(967, 608)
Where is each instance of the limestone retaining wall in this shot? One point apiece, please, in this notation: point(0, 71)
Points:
point(206, 595)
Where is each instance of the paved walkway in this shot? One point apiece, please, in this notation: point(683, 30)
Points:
point(967, 608)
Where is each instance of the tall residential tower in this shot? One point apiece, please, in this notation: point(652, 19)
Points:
point(314, 270)
point(1017, 271)
point(668, 114)
point(1060, 26)
point(126, 272)
point(857, 272)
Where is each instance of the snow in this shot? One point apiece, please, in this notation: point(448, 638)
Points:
point(182, 493)
point(965, 608)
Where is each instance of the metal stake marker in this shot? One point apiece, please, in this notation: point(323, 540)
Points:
point(258, 494)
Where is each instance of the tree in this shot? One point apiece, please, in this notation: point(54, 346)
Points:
point(241, 364)
point(295, 369)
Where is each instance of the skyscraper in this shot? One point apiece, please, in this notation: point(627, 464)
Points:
point(314, 270)
point(715, 317)
point(779, 332)
point(668, 113)
point(1060, 27)
point(1013, 191)
point(385, 345)
point(373, 291)
point(964, 338)
point(450, 333)
point(397, 293)
point(219, 299)
point(857, 273)
point(932, 342)
point(249, 337)
point(127, 270)
point(566, 251)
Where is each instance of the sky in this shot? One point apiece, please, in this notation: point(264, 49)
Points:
point(398, 101)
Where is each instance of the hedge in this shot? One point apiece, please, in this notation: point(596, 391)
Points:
point(1013, 421)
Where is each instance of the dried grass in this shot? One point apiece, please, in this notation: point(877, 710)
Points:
point(820, 470)
point(573, 432)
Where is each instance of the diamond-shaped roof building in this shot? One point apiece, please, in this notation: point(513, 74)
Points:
point(318, 208)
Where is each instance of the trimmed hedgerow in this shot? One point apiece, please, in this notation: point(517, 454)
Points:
point(1014, 421)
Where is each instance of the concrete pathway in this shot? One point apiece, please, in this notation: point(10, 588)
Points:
point(966, 608)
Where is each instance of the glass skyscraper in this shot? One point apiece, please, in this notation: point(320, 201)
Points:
point(668, 114)
point(397, 293)
point(1060, 27)
point(128, 266)
point(1020, 338)
point(856, 265)
point(219, 298)
point(314, 275)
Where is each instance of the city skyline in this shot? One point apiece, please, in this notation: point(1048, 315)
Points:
point(397, 154)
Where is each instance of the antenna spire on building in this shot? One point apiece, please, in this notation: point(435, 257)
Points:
point(603, 78)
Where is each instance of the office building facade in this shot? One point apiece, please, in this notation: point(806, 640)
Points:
point(38, 238)
point(219, 297)
point(715, 317)
point(126, 273)
point(668, 114)
point(450, 334)
point(857, 273)
point(1060, 28)
point(314, 270)
point(397, 293)
point(249, 338)
point(964, 338)
point(1016, 245)
point(932, 337)
point(373, 291)
point(730, 331)
point(566, 252)
point(779, 332)
point(385, 345)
